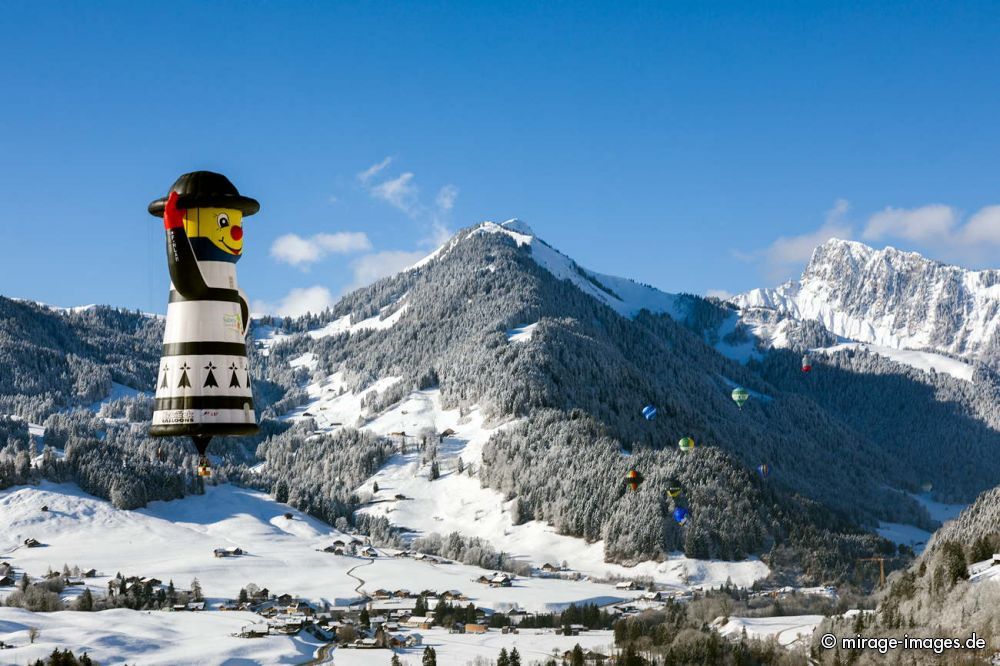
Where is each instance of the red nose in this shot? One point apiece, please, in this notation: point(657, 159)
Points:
point(236, 233)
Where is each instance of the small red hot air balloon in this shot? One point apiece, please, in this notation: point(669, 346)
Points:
point(633, 479)
point(806, 364)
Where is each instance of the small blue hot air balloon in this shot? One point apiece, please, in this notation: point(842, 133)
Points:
point(681, 515)
point(764, 470)
point(649, 412)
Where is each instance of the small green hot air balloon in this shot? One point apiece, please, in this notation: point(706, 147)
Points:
point(740, 396)
point(686, 444)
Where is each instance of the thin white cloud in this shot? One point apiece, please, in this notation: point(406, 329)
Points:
point(721, 294)
point(446, 197)
point(921, 224)
point(298, 302)
point(942, 231)
point(372, 171)
point(788, 253)
point(983, 227)
point(400, 192)
point(298, 251)
point(372, 267)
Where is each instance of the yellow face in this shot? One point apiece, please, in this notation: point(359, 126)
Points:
point(222, 226)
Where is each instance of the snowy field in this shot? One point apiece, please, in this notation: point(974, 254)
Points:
point(163, 638)
point(175, 541)
point(920, 360)
point(461, 649)
point(789, 630)
point(149, 638)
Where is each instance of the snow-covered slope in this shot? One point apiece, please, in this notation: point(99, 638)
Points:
point(175, 541)
point(895, 299)
point(625, 296)
point(456, 502)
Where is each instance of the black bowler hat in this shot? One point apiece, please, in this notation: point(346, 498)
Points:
point(206, 189)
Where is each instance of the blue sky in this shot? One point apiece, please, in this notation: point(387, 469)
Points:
point(693, 146)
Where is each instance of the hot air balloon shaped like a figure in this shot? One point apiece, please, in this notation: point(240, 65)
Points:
point(674, 488)
point(633, 479)
point(740, 395)
point(203, 388)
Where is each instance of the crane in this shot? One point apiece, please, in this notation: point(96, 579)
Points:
point(881, 566)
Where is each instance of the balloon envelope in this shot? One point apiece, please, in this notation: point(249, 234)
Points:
point(681, 515)
point(686, 444)
point(764, 470)
point(740, 396)
point(649, 412)
point(633, 478)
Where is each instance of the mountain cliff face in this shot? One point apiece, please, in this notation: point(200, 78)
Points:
point(891, 298)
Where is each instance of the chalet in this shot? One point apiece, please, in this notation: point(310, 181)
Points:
point(406, 641)
point(419, 622)
point(501, 580)
point(336, 550)
point(550, 568)
point(626, 585)
point(155, 582)
point(368, 551)
point(74, 581)
point(402, 594)
point(485, 580)
point(231, 551)
point(90, 573)
point(32, 543)
point(45, 508)
point(454, 595)
point(448, 433)
point(475, 628)
point(381, 594)
point(195, 606)
point(517, 616)
point(6, 581)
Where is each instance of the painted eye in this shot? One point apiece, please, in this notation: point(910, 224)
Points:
point(223, 220)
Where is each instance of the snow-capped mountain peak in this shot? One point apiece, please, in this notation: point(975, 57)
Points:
point(892, 298)
point(625, 296)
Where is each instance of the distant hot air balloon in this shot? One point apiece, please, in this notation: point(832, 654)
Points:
point(927, 487)
point(633, 478)
point(686, 444)
point(740, 396)
point(764, 470)
point(674, 488)
point(649, 411)
point(806, 363)
point(681, 515)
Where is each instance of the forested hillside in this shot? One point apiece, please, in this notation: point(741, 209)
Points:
point(842, 443)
